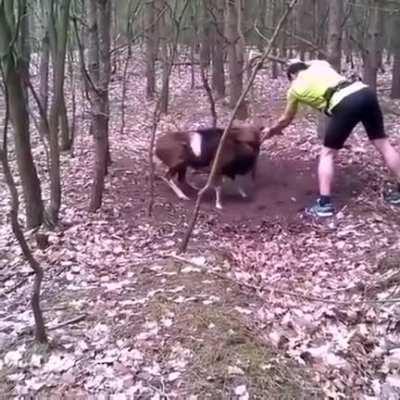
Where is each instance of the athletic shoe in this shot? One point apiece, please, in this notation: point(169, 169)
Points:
point(393, 198)
point(322, 211)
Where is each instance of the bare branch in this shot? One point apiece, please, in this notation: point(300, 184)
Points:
point(211, 177)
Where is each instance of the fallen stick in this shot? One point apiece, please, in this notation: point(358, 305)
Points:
point(68, 322)
point(259, 289)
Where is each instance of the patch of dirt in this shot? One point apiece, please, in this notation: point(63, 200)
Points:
point(282, 189)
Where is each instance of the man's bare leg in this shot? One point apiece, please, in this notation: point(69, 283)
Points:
point(392, 160)
point(326, 170)
point(390, 155)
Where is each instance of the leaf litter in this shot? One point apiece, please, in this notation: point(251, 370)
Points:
point(319, 295)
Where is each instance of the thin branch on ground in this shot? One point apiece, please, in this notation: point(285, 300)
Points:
point(68, 322)
point(292, 293)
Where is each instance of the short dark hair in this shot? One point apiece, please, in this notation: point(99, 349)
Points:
point(295, 68)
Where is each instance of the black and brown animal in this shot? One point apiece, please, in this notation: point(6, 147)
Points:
point(180, 150)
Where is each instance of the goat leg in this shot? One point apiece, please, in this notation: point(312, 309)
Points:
point(168, 179)
point(238, 186)
point(240, 189)
point(218, 193)
point(182, 180)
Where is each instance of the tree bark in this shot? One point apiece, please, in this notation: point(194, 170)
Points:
point(14, 77)
point(205, 48)
point(100, 70)
point(334, 48)
point(334, 45)
point(164, 95)
point(395, 40)
point(372, 51)
point(261, 15)
point(395, 89)
point(151, 48)
point(58, 25)
point(218, 70)
point(235, 57)
point(274, 15)
point(40, 329)
point(44, 76)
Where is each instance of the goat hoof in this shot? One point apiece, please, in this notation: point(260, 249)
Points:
point(219, 207)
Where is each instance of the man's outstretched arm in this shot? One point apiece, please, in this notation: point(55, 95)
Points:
point(285, 120)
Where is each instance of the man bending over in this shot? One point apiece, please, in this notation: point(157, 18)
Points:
point(317, 84)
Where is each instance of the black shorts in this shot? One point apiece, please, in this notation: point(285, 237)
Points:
point(361, 106)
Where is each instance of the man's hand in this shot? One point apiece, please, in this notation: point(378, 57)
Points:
point(268, 133)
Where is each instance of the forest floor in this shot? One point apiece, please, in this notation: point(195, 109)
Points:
point(266, 304)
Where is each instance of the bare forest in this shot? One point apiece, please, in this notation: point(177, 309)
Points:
point(112, 285)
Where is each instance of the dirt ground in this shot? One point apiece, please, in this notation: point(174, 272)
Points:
point(282, 189)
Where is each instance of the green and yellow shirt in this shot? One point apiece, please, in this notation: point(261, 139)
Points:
point(311, 84)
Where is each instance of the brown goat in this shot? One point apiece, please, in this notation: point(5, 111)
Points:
point(197, 148)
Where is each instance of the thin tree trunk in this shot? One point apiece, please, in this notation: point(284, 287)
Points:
point(395, 89)
point(164, 95)
point(395, 40)
point(274, 49)
point(334, 45)
point(71, 70)
point(58, 43)
point(205, 48)
point(371, 53)
point(151, 48)
point(218, 70)
point(334, 49)
point(40, 328)
point(100, 69)
point(44, 76)
point(13, 77)
point(235, 57)
point(261, 15)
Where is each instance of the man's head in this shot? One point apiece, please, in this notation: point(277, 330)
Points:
point(294, 66)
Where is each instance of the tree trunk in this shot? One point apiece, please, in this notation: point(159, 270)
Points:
point(301, 28)
point(100, 68)
point(25, 44)
point(44, 77)
point(59, 52)
point(235, 57)
point(218, 70)
point(164, 95)
point(261, 15)
point(334, 45)
point(205, 48)
point(40, 328)
point(348, 49)
point(395, 90)
point(334, 48)
point(275, 17)
point(151, 48)
point(13, 75)
point(58, 26)
point(321, 11)
point(372, 50)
